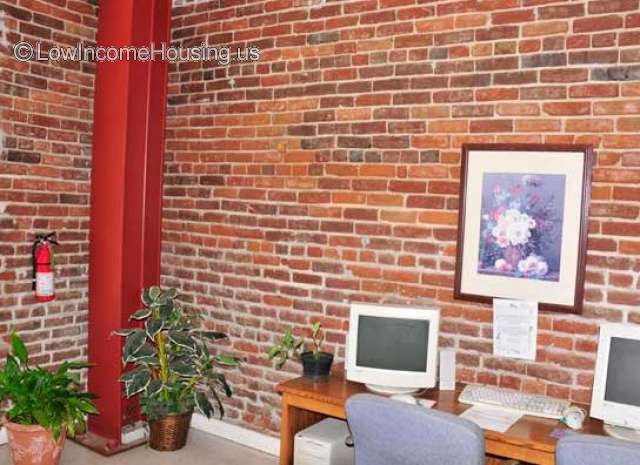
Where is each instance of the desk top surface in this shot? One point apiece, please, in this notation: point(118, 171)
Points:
point(532, 432)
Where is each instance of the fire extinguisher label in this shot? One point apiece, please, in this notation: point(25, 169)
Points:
point(44, 284)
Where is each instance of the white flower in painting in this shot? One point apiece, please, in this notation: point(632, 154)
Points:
point(512, 215)
point(513, 228)
point(500, 235)
point(518, 233)
point(533, 265)
point(502, 265)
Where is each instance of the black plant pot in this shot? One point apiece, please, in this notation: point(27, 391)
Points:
point(317, 367)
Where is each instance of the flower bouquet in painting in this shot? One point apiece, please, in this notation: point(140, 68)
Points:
point(521, 225)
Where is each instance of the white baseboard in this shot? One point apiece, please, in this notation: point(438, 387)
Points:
point(235, 433)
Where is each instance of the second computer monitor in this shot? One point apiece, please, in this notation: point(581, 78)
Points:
point(616, 394)
point(393, 349)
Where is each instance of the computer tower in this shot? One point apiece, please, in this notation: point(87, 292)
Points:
point(323, 444)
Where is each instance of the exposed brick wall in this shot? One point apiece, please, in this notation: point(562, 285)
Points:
point(327, 173)
point(44, 173)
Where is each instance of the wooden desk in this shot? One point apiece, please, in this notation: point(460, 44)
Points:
point(305, 403)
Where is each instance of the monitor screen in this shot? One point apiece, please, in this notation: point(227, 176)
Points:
point(392, 343)
point(623, 372)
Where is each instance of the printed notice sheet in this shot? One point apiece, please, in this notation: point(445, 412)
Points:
point(491, 418)
point(515, 328)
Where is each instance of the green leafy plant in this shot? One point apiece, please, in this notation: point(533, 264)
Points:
point(51, 399)
point(289, 346)
point(174, 371)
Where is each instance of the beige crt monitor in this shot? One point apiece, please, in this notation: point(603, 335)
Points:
point(391, 348)
point(616, 392)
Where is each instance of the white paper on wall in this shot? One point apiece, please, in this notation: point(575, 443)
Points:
point(515, 328)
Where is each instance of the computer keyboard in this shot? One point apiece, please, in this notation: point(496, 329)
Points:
point(509, 399)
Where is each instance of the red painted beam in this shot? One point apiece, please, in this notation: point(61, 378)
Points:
point(126, 194)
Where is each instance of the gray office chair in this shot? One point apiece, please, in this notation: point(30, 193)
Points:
point(583, 449)
point(388, 432)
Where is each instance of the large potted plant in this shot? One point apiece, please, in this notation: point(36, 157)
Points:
point(173, 371)
point(44, 407)
point(316, 364)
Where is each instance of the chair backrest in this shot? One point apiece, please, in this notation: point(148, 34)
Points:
point(388, 432)
point(584, 449)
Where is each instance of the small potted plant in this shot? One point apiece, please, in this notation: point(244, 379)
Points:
point(174, 372)
point(44, 407)
point(316, 364)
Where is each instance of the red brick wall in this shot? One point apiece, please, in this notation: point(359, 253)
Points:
point(327, 173)
point(45, 162)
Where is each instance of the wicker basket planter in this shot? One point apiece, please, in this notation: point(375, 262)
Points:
point(169, 433)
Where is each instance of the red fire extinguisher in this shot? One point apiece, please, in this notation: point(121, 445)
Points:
point(42, 256)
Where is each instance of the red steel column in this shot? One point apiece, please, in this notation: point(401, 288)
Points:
point(126, 194)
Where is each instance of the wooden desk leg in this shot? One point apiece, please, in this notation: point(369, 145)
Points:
point(287, 433)
point(293, 420)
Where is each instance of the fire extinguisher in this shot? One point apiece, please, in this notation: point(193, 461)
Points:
point(42, 256)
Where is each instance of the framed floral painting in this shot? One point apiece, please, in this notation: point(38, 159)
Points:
point(522, 227)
